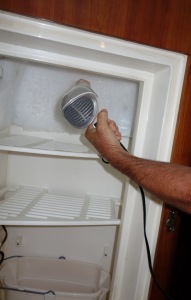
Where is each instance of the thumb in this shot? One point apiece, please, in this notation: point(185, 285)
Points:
point(102, 117)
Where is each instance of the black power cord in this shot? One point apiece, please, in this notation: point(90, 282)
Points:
point(168, 297)
point(2, 243)
point(146, 239)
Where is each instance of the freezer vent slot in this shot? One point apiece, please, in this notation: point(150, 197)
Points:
point(35, 206)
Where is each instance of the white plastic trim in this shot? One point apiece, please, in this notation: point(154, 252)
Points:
point(154, 68)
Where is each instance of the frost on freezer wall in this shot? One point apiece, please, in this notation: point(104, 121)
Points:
point(9, 83)
point(31, 93)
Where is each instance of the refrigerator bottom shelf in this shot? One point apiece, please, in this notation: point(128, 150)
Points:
point(49, 278)
point(35, 206)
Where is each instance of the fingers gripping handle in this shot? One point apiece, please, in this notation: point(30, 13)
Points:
point(103, 159)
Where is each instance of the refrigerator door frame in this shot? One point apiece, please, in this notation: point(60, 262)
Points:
point(160, 74)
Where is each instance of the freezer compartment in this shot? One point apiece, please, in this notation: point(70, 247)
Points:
point(31, 119)
point(26, 205)
point(47, 145)
point(51, 278)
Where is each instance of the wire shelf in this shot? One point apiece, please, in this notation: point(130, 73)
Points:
point(35, 206)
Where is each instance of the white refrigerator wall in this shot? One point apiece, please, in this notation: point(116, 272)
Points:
point(33, 101)
point(30, 102)
point(141, 88)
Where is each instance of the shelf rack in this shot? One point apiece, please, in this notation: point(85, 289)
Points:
point(39, 145)
point(36, 207)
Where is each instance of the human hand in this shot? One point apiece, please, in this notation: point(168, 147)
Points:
point(106, 136)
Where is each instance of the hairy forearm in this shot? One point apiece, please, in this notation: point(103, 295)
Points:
point(169, 182)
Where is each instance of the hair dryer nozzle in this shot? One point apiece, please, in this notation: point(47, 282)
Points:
point(79, 105)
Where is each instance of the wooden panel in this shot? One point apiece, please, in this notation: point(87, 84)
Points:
point(164, 256)
point(161, 23)
point(182, 142)
point(167, 241)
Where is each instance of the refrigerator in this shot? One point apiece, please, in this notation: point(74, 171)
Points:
point(73, 224)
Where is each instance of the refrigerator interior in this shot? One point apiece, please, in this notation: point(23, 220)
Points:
point(58, 198)
point(30, 108)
